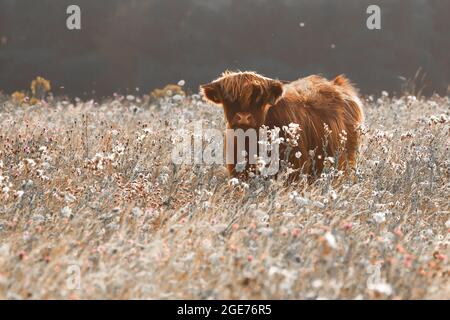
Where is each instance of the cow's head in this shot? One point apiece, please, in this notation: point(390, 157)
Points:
point(245, 96)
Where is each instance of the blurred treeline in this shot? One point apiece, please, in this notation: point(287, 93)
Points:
point(126, 44)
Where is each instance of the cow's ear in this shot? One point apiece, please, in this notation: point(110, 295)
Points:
point(275, 92)
point(212, 92)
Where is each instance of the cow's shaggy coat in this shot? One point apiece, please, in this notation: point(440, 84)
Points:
point(329, 114)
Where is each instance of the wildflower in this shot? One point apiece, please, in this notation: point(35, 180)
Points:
point(379, 217)
point(137, 212)
point(317, 283)
point(381, 287)
point(333, 194)
point(119, 149)
point(163, 178)
point(331, 240)
point(69, 198)
point(66, 212)
point(141, 138)
point(30, 162)
point(181, 83)
point(348, 226)
point(298, 154)
point(299, 200)
point(295, 232)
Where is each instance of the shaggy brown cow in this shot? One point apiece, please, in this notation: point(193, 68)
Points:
point(328, 113)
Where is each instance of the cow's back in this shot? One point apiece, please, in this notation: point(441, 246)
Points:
point(326, 111)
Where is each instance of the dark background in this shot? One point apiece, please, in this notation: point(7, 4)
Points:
point(126, 44)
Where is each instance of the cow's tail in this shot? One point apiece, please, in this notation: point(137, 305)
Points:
point(354, 112)
point(353, 116)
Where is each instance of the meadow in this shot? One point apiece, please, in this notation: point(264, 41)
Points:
point(92, 207)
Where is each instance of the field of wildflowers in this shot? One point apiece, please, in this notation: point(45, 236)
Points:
point(92, 207)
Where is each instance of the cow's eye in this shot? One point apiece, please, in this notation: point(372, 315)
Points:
point(258, 102)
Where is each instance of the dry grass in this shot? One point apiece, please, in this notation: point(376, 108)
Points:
point(92, 185)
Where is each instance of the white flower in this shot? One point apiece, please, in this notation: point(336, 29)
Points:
point(31, 162)
point(19, 193)
point(137, 212)
point(331, 240)
point(317, 283)
point(299, 200)
point(234, 181)
point(66, 212)
point(298, 154)
point(163, 178)
point(119, 149)
point(140, 138)
point(69, 198)
point(447, 224)
point(379, 217)
point(130, 97)
point(181, 83)
point(333, 195)
point(381, 287)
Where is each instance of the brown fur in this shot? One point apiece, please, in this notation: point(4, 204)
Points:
point(251, 100)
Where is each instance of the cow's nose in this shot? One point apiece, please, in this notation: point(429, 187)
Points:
point(243, 117)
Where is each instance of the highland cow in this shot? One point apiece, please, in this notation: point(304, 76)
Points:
point(329, 114)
